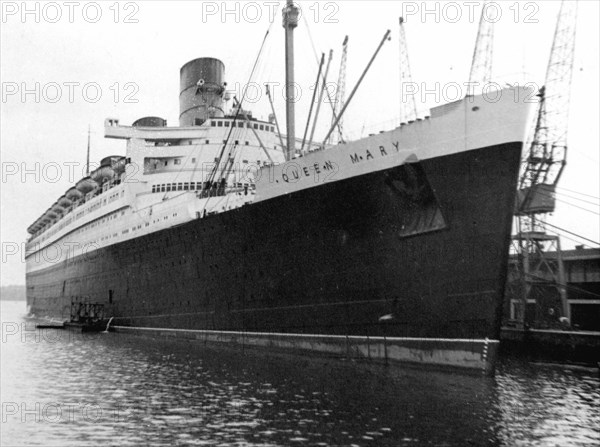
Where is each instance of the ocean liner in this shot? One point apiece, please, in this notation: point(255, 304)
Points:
point(391, 248)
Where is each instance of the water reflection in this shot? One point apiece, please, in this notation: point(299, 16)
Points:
point(68, 389)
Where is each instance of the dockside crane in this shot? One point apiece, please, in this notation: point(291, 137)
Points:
point(538, 275)
point(481, 65)
point(340, 96)
point(408, 107)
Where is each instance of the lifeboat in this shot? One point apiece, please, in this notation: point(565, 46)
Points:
point(59, 210)
point(86, 185)
point(51, 214)
point(64, 202)
point(110, 160)
point(73, 194)
point(118, 165)
point(103, 174)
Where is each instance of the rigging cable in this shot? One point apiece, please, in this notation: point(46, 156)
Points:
point(545, 194)
point(571, 233)
point(239, 109)
point(576, 192)
point(568, 286)
point(558, 233)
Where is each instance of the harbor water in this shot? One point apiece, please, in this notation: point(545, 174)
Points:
point(67, 389)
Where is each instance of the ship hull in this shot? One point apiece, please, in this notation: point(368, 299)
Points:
point(357, 257)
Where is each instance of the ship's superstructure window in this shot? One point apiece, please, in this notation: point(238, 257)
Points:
point(242, 124)
point(177, 161)
point(186, 186)
point(207, 141)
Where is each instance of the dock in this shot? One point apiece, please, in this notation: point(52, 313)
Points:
point(563, 345)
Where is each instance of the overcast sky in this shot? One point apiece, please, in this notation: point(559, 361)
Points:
point(88, 61)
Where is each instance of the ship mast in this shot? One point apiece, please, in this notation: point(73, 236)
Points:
point(290, 21)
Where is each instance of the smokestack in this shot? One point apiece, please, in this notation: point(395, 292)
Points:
point(202, 88)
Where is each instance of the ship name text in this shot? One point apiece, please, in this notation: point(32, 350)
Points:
point(370, 154)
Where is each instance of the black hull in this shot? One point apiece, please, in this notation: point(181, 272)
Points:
point(332, 259)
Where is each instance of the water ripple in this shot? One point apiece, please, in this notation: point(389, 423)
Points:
point(65, 389)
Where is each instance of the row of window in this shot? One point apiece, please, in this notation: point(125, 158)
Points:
point(100, 221)
point(191, 186)
point(123, 232)
point(240, 124)
point(177, 161)
point(91, 208)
